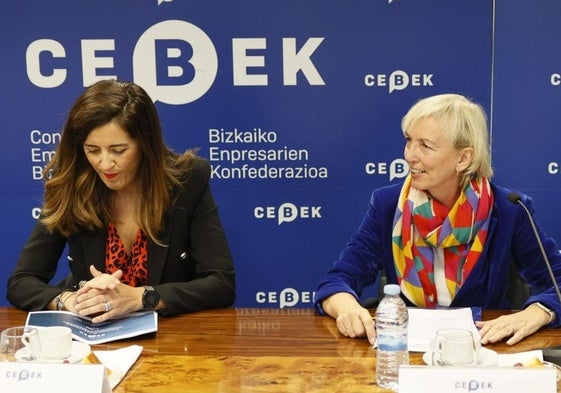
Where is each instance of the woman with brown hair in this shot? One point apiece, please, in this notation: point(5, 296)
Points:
point(139, 220)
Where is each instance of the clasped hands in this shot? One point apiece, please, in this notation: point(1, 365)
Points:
point(105, 297)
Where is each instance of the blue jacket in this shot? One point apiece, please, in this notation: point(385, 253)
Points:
point(511, 240)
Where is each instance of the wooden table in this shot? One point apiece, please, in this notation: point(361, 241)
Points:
point(258, 350)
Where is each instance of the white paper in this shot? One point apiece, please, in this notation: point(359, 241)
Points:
point(424, 323)
point(119, 361)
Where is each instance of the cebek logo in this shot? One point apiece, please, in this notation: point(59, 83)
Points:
point(287, 212)
point(398, 80)
point(175, 61)
point(396, 169)
point(169, 1)
point(288, 297)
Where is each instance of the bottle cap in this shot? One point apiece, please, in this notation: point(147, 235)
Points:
point(392, 289)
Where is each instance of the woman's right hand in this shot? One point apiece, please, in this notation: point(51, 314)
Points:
point(104, 297)
point(101, 281)
point(352, 319)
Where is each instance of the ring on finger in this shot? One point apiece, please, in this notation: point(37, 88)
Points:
point(107, 306)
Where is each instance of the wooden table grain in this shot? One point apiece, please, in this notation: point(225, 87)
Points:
point(258, 350)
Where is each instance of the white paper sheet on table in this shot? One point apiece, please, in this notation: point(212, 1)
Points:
point(424, 323)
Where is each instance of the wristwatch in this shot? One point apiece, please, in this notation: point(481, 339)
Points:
point(150, 298)
point(547, 310)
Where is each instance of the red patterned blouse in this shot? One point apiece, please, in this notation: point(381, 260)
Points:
point(133, 265)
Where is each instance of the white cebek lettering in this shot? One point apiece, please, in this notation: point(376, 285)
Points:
point(398, 168)
point(289, 297)
point(399, 80)
point(190, 48)
point(259, 212)
point(174, 61)
point(91, 63)
point(288, 212)
point(294, 61)
point(260, 297)
point(36, 213)
point(57, 76)
point(241, 61)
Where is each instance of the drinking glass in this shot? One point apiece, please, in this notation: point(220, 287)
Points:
point(455, 347)
point(20, 342)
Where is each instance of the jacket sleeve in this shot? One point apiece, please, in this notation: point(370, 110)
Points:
point(210, 281)
point(28, 286)
point(364, 256)
point(531, 262)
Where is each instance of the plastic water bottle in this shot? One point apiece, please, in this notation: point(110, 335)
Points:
point(391, 335)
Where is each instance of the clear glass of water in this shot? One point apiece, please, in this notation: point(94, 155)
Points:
point(19, 343)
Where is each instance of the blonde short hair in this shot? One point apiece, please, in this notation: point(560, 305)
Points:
point(465, 125)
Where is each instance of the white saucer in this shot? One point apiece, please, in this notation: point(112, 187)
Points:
point(487, 357)
point(79, 351)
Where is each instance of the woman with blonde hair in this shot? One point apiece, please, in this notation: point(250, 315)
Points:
point(447, 235)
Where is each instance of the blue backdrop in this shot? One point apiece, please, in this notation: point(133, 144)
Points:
point(297, 105)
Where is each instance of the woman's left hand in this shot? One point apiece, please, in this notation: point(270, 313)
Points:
point(105, 297)
point(517, 326)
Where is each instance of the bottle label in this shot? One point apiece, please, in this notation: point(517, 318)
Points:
point(393, 342)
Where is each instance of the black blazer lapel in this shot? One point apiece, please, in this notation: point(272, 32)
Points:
point(157, 255)
point(93, 246)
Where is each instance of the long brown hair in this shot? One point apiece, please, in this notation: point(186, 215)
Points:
point(75, 197)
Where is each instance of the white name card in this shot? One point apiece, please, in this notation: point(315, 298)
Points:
point(20, 377)
point(415, 379)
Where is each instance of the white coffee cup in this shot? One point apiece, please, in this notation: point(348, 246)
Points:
point(455, 347)
point(56, 342)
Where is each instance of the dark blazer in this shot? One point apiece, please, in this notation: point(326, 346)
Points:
point(510, 241)
point(194, 272)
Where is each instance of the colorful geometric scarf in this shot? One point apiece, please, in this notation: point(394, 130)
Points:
point(422, 224)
